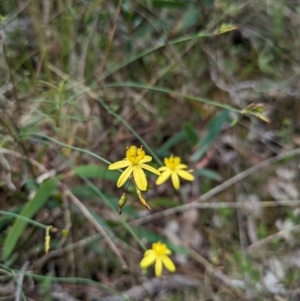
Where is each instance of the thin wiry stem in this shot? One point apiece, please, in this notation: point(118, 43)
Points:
point(205, 197)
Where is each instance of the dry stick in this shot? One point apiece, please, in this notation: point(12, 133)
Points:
point(85, 241)
point(63, 296)
point(76, 201)
point(110, 40)
point(233, 283)
point(264, 242)
point(69, 248)
point(195, 205)
point(18, 155)
point(20, 280)
point(89, 216)
point(79, 244)
point(82, 59)
point(155, 286)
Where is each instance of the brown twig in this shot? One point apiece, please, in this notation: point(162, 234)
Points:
point(156, 285)
point(269, 239)
point(239, 177)
point(99, 228)
point(110, 39)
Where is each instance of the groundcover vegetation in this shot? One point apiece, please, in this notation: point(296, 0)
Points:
point(149, 150)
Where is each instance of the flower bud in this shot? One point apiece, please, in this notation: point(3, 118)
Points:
point(122, 202)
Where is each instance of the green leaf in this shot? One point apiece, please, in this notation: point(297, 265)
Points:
point(168, 4)
point(189, 19)
point(40, 198)
point(163, 151)
point(45, 287)
point(209, 174)
point(162, 202)
point(190, 133)
point(94, 171)
point(213, 129)
point(84, 192)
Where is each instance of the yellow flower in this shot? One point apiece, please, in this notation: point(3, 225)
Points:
point(174, 169)
point(135, 162)
point(158, 254)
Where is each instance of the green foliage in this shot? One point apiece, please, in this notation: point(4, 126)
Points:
point(32, 207)
point(213, 130)
point(83, 80)
point(94, 171)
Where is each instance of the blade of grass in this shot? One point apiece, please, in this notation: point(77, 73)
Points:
point(41, 196)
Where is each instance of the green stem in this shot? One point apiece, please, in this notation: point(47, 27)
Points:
point(169, 91)
point(28, 220)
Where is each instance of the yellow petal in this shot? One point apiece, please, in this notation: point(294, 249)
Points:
point(146, 159)
point(119, 164)
point(148, 252)
point(175, 180)
point(150, 168)
point(163, 168)
point(158, 267)
point(185, 175)
point(168, 252)
point(147, 261)
point(124, 176)
point(168, 263)
point(164, 177)
point(139, 178)
point(181, 166)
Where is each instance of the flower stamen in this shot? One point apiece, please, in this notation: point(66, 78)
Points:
point(172, 162)
point(134, 154)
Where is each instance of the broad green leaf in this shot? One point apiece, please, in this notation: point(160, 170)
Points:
point(190, 133)
point(209, 174)
point(163, 151)
point(213, 129)
point(32, 207)
point(168, 4)
point(209, 3)
point(149, 235)
point(189, 19)
point(94, 171)
point(45, 287)
point(162, 202)
point(84, 192)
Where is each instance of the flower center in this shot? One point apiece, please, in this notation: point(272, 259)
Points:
point(159, 249)
point(172, 162)
point(134, 154)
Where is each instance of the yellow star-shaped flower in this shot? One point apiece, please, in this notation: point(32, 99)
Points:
point(175, 169)
point(158, 255)
point(135, 162)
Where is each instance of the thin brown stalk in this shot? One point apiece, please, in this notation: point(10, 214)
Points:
point(110, 40)
point(205, 197)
